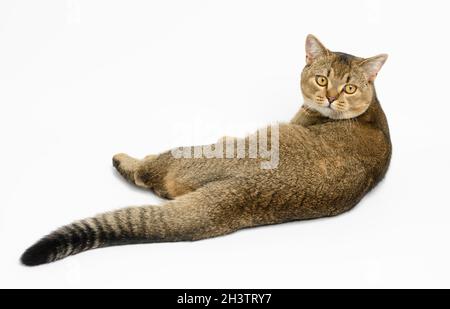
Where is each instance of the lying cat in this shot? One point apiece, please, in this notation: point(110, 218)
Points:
point(330, 155)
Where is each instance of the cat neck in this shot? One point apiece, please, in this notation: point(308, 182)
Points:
point(373, 117)
point(308, 117)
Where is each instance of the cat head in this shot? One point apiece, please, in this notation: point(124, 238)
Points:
point(338, 85)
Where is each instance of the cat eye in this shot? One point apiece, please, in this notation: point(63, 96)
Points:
point(321, 80)
point(350, 89)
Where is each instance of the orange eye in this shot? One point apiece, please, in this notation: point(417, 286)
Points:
point(350, 89)
point(321, 80)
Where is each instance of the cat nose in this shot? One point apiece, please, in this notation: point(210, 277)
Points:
point(331, 99)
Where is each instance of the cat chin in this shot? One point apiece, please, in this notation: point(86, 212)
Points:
point(325, 111)
point(328, 112)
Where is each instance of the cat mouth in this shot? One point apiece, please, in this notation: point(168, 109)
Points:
point(323, 104)
point(329, 106)
point(323, 107)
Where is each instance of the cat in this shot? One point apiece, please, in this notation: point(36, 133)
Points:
point(335, 149)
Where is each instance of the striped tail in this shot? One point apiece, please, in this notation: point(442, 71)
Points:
point(127, 226)
point(197, 215)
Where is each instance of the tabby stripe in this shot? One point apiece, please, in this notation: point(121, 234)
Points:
point(162, 224)
point(129, 218)
point(67, 233)
point(118, 223)
point(111, 225)
point(81, 238)
point(91, 234)
point(112, 232)
point(62, 244)
point(101, 235)
point(51, 257)
point(95, 237)
point(143, 225)
point(159, 223)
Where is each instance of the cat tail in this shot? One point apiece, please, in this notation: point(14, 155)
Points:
point(204, 213)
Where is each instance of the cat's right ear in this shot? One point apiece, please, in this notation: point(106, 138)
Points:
point(371, 66)
point(314, 49)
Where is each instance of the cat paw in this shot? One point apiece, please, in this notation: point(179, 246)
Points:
point(125, 165)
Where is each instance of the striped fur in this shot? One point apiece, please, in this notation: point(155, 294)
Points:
point(328, 160)
point(190, 217)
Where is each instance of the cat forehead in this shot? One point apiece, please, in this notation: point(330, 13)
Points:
point(338, 65)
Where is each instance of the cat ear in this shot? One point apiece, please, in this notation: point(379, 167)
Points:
point(314, 49)
point(371, 66)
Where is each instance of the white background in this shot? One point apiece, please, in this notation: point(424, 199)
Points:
point(83, 80)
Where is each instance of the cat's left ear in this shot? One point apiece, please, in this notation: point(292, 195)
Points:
point(371, 66)
point(314, 49)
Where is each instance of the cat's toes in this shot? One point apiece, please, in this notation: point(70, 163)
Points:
point(125, 165)
point(118, 159)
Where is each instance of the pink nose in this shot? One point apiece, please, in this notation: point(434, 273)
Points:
point(331, 99)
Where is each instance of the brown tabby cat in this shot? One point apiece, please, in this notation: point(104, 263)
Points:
point(331, 154)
